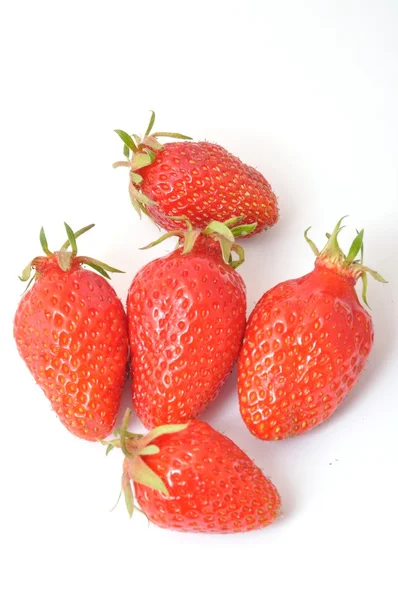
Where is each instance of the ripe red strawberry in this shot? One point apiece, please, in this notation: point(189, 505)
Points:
point(306, 343)
point(71, 331)
point(186, 317)
point(192, 478)
point(196, 180)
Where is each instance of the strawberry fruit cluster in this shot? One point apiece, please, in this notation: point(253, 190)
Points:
point(299, 354)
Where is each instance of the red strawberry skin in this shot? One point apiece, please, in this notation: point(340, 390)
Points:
point(203, 182)
point(306, 343)
point(186, 319)
point(71, 331)
point(214, 487)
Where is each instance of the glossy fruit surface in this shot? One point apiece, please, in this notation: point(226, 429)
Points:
point(202, 181)
point(192, 478)
point(199, 181)
point(71, 331)
point(186, 318)
point(306, 343)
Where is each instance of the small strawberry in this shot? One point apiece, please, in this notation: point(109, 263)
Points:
point(306, 343)
point(71, 331)
point(192, 478)
point(186, 317)
point(200, 181)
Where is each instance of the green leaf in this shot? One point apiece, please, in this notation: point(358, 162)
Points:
point(241, 256)
point(117, 501)
point(126, 151)
point(364, 278)
point(71, 238)
point(374, 274)
point(141, 159)
point(150, 124)
point(134, 201)
point(26, 273)
point(150, 153)
point(242, 230)
point(28, 284)
point(121, 163)
point(189, 240)
point(136, 178)
point(149, 450)
point(217, 227)
point(362, 252)
point(128, 434)
point(153, 143)
point(310, 242)
point(332, 248)
point(141, 473)
point(109, 448)
point(226, 247)
point(128, 495)
point(187, 222)
point(139, 197)
point(99, 263)
point(123, 431)
point(356, 246)
point(97, 268)
point(127, 139)
point(162, 430)
point(177, 136)
point(77, 235)
point(165, 236)
point(43, 242)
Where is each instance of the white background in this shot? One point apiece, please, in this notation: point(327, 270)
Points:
point(307, 92)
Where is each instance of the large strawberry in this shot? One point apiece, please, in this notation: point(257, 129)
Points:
point(186, 318)
point(71, 331)
point(306, 343)
point(200, 181)
point(192, 478)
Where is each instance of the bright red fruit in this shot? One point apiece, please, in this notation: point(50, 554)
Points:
point(71, 331)
point(200, 181)
point(306, 343)
point(186, 319)
point(192, 478)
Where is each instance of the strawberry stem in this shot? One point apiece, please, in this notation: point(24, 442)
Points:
point(77, 234)
point(64, 257)
point(44, 243)
point(150, 124)
point(222, 232)
point(143, 155)
point(332, 254)
point(123, 431)
point(71, 238)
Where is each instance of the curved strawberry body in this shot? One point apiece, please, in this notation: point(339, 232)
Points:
point(186, 318)
point(213, 486)
point(306, 343)
point(202, 181)
point(71, 331)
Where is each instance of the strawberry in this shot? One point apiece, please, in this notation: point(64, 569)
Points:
point(200, 181)
point(71, 331)
point(192, 478)
point(186, 318)
point(306, 343)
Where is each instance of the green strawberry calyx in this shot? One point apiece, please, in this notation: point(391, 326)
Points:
point(224, 233)
point(348, 265)
point(140, 152)
point(134, 447)
point(64, 257)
